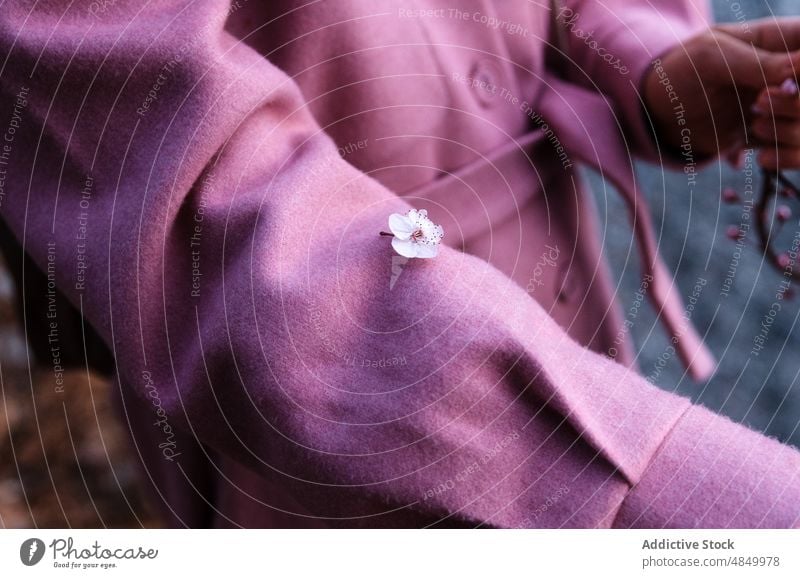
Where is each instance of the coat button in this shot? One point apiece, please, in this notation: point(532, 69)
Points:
point(485, 81)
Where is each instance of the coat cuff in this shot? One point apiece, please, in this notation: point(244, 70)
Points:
point(713, 473)
point(652, 39)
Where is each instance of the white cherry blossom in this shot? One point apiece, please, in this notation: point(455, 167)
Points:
point(415, 235)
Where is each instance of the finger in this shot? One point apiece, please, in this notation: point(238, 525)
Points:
point(771, 34)
point(779, 159)
point(779, 131)
point(748, 65)
point(775, 102)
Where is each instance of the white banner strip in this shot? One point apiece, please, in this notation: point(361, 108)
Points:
point(400, 553)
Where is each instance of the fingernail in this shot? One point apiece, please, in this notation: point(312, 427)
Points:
point(789, 87)
point(756, 109)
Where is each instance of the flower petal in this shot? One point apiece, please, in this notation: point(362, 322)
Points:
point(405, 248)
point(427, 251)
point(401, 226)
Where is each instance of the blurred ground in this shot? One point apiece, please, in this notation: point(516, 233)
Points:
point(64, 458)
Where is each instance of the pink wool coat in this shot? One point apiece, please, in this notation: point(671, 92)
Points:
point(206, 182)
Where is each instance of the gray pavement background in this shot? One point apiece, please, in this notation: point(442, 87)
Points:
point(762, 391)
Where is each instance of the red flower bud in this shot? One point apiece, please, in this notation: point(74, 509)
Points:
point(734, 232)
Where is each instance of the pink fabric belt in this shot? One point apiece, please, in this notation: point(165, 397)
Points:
point(589, 131)
point(506, 172)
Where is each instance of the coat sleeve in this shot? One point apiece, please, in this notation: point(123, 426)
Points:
point(175, 187)
point(614, 43)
